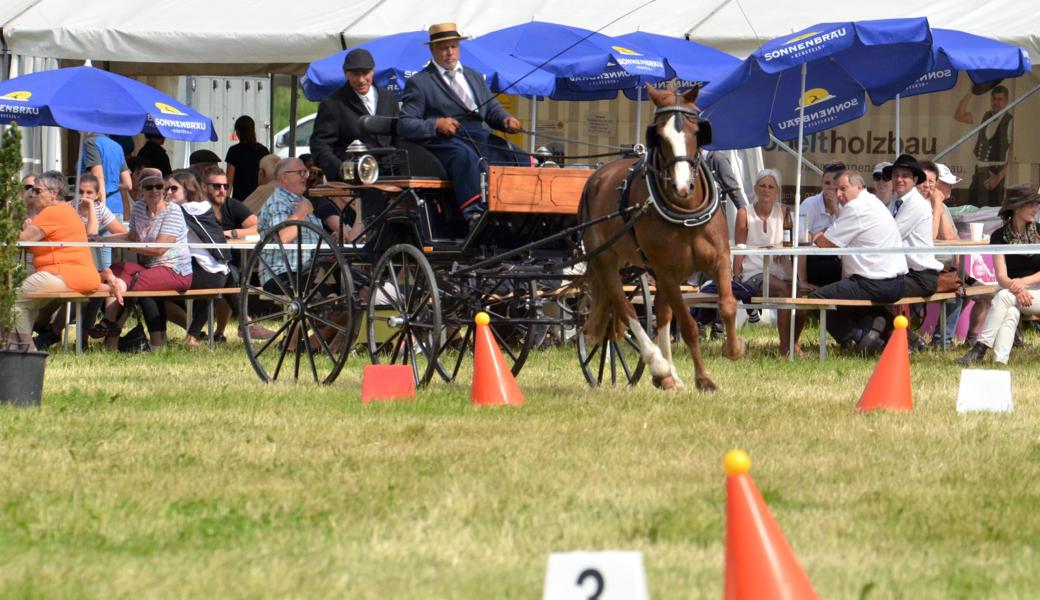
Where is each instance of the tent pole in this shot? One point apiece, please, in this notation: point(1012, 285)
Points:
point(898, 119)
point(639, 112)
point(797, 210)
point(983, 124)
point(293, 97)
point(805, 162)
point(533, 123)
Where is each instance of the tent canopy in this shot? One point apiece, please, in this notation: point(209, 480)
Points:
point(202, 37)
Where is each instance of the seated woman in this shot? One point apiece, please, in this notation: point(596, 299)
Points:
point(58, 269)
point(1017, 274)
point(154, 219)
point(766, 228)
point(209, 266)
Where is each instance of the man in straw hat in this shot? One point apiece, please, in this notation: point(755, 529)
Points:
point(448, 108)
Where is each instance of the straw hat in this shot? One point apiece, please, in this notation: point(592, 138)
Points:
point(443, 32)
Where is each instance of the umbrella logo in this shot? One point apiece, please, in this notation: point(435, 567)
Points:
point(804, 36)
point(627, 51)
point(166, 109)
point(815, 96)
point(21, 96)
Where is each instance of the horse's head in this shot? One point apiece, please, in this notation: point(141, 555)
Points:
point(678, 132)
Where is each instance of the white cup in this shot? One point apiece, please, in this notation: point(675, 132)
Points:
point(976, 231)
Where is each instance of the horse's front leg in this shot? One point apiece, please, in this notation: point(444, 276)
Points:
point(735, 346)
point(663, 318)
point(668, 288)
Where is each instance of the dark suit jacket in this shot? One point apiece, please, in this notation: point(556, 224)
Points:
point(336, 126)
point(427, 97)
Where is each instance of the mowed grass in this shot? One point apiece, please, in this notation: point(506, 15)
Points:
point(178, 474)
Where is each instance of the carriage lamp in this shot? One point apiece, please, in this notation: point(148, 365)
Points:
point(359, 167)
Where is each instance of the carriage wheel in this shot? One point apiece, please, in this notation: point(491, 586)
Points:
point(405, 308)
point(313, 310)
point(512, 304)
point(616, 360)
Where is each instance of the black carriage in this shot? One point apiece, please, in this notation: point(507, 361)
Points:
point(411, 288)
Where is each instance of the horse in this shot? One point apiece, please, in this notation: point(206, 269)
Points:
point(671, 225)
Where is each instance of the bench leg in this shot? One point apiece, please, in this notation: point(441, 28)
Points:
point(823, 334)
point(189, 306)
point(942, 323)
point(65, 329)
point(79, 328)
point(209, 323)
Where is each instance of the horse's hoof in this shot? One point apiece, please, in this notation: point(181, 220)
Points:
point(664, 383)
point(706, 385)
point(741, 350)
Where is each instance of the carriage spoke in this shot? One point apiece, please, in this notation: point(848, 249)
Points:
point(326, 322)
point(605, 345)
point(265, 318)
point(277, 281)
point(325, 346)
point(267, 343)
point(310, 272)
point(388, 343)
point(299, 259)
point(624, 366)
point(301, 333)
point(284, 348)
point(266, 294)
point(288, 269)
point(310, 352)
point(591, 356)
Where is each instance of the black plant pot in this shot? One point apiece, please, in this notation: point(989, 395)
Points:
point(21, 377)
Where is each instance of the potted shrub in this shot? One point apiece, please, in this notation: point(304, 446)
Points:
point(21, 372)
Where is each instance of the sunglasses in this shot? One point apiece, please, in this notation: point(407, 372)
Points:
point(219, 186)
point(152, 187)
point(27, 186)
point(39, 190)
point(172, 188)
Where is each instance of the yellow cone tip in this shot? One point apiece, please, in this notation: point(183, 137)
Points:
point(482, 318)
point(901, 322)
point(736, 462)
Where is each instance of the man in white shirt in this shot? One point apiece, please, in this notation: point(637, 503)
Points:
point(913, 215)
point(863, 222)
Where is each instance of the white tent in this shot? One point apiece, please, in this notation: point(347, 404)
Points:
point(264, 36)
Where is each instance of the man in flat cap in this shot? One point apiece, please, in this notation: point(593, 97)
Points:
point(336, 125)
point(448, 108)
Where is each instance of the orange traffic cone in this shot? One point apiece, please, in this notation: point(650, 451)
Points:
point(759, 561)
point(889, 386)
point(387, 382)
point(493, 382)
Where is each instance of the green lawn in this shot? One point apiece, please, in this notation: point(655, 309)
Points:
point(178, 474)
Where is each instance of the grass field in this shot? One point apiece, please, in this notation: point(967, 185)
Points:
point(178, 474)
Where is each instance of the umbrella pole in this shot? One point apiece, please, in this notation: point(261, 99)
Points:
point(79, 174)
point(797, 209)
point(533, 124)
point(639, 112)
point(898, 122)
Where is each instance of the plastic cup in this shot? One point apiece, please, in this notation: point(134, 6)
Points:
point(976, 231)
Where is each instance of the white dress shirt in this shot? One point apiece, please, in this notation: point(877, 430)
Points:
point(914, 219)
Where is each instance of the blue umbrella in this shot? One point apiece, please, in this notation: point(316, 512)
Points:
point(843, 64)
point(89, 99)
point(587, 65)
point(812, 80)
point(983, 59)
point(691, 63)
point(401, 55)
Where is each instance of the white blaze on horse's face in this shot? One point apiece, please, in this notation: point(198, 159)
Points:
point(675, 136)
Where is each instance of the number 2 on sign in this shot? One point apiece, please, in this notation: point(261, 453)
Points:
point(597, 577)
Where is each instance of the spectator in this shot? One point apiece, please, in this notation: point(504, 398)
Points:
point(104, 158)
point(58, 269)
point(720, 163)
point(153, 152)
point(256, 200)
point(286, 204)
point(913, 215)
point(1017, 274)
point(944, 182)
point(200, 160)
point(820, 211)
point(161, 269)
point(32, 205)
point(243, 159)
point(237, 222)
point(209, 266)
point(883, 185)
point(864, 222)
point(766, 228)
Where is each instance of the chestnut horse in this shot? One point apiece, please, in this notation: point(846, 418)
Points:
point(678, 230)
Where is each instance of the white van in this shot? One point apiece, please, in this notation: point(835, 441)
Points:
point(304, 128)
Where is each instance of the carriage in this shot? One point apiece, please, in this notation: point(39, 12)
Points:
point(410, 289)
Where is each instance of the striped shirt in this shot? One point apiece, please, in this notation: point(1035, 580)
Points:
point(101, 211)
point(169, 222)
point(279, 208)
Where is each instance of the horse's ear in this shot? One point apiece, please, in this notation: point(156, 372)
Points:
point(652, 92)
point(691, 94)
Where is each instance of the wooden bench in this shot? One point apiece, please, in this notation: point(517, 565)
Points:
point(825, 304)
point(78, 299)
